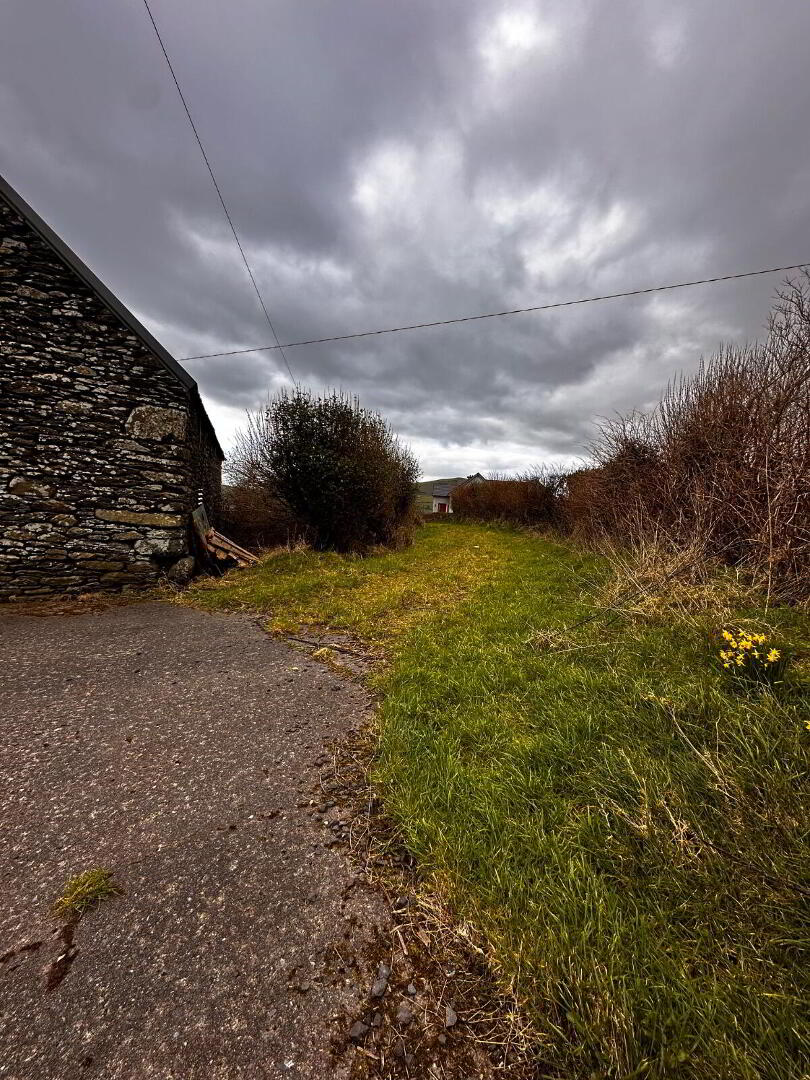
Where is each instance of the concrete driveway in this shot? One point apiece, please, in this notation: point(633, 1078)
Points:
point(174, 748)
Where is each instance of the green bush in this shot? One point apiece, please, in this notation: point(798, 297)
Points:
point(337, 468)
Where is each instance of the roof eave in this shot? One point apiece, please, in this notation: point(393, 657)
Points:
point(18, 203)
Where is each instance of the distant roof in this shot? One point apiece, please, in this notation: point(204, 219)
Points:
point(428, 487)
point(68, 256)
point(442, 488)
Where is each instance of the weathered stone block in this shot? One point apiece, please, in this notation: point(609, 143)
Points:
point(54, 505)
point(121, 578)
point(20, 486)
point(135, 517)
point(151, 422)
point(163, 477)
point(26, 386)
point(157, 544)
point(182, 572)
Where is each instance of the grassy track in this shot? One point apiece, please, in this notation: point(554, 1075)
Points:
point(377, 598)
point(626, 832)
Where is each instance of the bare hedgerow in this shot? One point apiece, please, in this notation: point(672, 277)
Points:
point(723, 461)
point(529, 499)
point(255, 518)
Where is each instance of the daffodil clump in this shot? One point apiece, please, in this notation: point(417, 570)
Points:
point(751, 657)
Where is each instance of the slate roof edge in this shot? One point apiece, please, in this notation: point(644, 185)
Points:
point(109, 299)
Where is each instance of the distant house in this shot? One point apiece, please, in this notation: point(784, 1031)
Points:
point(105, 447)
point(436, 496)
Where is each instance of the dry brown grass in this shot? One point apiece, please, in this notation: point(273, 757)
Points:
point(254, 518)
point(656, 579)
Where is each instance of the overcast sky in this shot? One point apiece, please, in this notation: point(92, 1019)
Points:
point(411, 160)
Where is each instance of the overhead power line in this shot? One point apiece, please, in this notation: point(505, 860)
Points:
point(277, 345)
point(497, 314)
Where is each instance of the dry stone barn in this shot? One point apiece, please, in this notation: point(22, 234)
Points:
point(105, 447)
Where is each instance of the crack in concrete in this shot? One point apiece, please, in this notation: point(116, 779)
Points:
point(55, 972)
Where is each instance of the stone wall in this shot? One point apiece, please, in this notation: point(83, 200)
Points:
point(206, 467)
point(102, 449)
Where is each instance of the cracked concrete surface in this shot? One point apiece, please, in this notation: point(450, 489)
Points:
point(173, 747)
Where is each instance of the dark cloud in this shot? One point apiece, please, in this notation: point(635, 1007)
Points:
point(389, 163)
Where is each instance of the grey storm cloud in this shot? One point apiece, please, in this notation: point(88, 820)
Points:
point(394, 163)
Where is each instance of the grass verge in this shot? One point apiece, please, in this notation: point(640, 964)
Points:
point(623, 826)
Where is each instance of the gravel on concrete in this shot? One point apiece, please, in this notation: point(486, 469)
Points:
point(173, 747)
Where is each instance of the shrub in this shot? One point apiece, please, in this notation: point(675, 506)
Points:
point(335, 467)
point(532, 499)
point(603, 500)
point(723, 462)
point(256, 518)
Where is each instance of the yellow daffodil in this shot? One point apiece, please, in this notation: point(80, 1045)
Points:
point(759, 638)
point(727, 635)
point(773, 656)
point(746, 643)
point(740, 660)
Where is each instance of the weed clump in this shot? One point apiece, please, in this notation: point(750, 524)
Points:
point(85, 891)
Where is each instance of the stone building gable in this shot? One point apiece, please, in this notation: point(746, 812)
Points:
point(103, 448)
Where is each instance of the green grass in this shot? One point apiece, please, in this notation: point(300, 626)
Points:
point(377, 598)
point(85, 891)
point(626, 831)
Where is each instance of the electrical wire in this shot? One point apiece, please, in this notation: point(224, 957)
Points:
point(497, 314)
point(278, 345)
